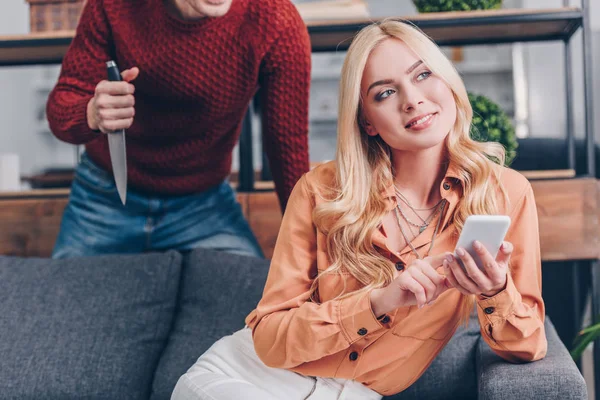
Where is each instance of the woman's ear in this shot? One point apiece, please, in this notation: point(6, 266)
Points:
point(369, 129)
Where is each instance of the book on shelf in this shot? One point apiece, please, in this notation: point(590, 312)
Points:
point(333, 9)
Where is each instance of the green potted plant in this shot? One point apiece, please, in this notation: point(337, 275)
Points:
point(491, 124)
point(425, 6)
point(583, 339)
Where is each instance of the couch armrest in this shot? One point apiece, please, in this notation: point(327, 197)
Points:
point(554, 377)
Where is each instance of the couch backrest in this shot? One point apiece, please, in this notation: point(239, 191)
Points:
point(90, 327)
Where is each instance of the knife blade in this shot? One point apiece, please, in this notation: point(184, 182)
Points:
point(116, 144)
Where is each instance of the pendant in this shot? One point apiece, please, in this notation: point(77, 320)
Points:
point(422, 228)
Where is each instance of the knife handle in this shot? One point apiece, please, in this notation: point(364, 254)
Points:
point(114, 76)
point(113, 71)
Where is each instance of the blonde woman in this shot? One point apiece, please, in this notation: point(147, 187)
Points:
point(363, 291)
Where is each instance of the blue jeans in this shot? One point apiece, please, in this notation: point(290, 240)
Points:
point(95, 221)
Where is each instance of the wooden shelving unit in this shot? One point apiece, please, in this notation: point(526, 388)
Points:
point(447, 29)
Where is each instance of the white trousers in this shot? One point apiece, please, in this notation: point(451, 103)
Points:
point(231, 370)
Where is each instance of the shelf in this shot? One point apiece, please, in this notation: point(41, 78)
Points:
point(35, 194)
point(448, 29)
point(321, 119)
point(34, 48)
point(469, 68)
point(464, 28)
point(549, 174)
point(323, 74)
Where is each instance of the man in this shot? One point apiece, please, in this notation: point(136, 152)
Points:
point(190, 69)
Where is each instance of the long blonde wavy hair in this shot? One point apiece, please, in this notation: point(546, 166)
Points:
point(357, 206)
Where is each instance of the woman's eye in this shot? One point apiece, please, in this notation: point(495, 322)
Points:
point(423, 75)
point(384, 94)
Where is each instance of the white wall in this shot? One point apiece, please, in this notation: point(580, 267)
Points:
point(20, 104)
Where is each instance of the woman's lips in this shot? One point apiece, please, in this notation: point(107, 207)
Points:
point(422, 123)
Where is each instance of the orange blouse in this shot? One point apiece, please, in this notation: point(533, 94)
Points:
point(344, 339)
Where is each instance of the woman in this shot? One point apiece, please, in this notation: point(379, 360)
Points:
point(363, 291)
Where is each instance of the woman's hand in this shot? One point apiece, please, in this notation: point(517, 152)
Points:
point(419, 284)
point(472, 280)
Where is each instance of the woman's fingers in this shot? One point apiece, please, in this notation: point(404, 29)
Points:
point(461, 276)
point(504, 253)
point(427, 284)
point(439, 281)
point(472, 270)
point(435, 261)
point(452, 279)
point(417, 289)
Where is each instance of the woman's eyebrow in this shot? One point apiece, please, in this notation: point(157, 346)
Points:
point(379, 83)
point(388, 81)
point(412, 67)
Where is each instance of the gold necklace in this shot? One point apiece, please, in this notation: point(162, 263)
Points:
point(437, 226)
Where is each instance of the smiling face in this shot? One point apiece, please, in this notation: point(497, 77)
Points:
point(403, 101)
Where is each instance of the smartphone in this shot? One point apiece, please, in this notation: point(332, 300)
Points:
point(487, 229)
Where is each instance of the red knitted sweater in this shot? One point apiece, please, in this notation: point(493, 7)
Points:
point(196, 80)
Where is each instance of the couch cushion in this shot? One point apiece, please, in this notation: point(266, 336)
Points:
point(452, 373)
point(218, 290)
point(90, 328)
point(554, 377)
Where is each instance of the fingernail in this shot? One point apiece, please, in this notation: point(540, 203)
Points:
point(449, 258)
point(445, 264)
point(477, 245)
point(460, 252)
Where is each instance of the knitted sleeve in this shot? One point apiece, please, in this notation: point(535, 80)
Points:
point(285, 87)
point(82, 68)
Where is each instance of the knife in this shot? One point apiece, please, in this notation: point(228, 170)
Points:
point(116, 144)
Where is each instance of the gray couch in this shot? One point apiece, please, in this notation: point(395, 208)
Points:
point(126, 327)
